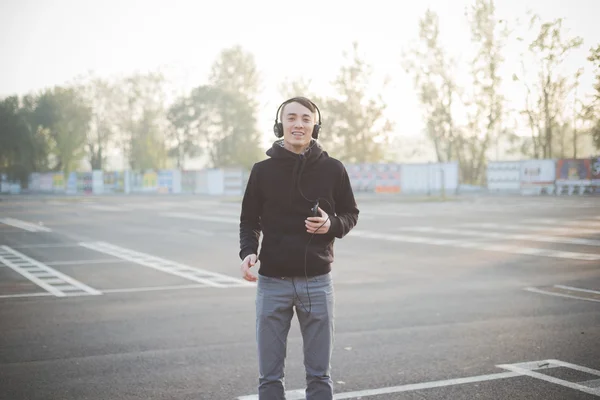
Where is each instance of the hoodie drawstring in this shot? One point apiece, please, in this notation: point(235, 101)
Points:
point(297, 174)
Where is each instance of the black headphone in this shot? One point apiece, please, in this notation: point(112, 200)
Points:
point(278, 127)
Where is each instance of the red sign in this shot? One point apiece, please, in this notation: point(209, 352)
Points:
point(573, 170)
point(595, 169)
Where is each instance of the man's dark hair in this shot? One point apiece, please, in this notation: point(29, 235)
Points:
point(302, 100)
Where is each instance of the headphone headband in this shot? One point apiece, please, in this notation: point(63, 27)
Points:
point(293, 99)
point(278, 126)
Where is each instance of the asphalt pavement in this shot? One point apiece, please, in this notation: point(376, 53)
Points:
point(140, 297)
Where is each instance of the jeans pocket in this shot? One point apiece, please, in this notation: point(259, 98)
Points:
point(325, 278)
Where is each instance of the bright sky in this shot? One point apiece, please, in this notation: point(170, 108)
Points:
point(48, 42)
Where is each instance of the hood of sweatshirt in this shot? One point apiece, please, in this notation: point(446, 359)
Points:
point(298, 163)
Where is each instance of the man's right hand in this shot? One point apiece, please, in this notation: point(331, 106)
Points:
point(248, 263)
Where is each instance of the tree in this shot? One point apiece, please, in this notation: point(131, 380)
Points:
point(65, 117)
point(433, 75)
point(23, 149)
point(486, 105)
point(219, 119)
point(356, 124)
point(103, 97)
point(38, 137)
point(142, 120)
point(236, 80)
point(222, 115)
point(227, 128)
point(592, 110)
point(183, 131)
point(235, 71)
point(548, 90)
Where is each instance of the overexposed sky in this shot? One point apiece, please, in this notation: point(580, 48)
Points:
point(48, 42)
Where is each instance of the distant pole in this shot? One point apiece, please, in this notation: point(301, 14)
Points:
point(428, 179)
point(443, 184)
point(577, 75)
point(497, 145)
point(575, 123)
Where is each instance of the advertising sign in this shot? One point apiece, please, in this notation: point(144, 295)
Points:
point(573, 171)
point(595, 170)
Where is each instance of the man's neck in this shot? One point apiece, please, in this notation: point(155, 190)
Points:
point(295, 149)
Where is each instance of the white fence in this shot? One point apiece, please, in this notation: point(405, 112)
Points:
point(504, 176)
point(404, 178)
point(429, 178)
point(210, 182)
point(548, 176)
point(537, 176)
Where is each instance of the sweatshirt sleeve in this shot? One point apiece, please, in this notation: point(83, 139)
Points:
point(346, 209)
point(250, 228)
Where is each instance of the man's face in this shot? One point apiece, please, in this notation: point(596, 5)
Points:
point(298, 122)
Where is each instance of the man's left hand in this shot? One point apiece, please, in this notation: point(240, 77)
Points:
point(319, 225)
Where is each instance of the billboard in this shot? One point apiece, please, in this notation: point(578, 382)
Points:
point(595, 170)
point(573, 171)
point(538, 176)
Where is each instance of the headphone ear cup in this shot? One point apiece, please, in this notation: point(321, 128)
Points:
point(278, 129)
point(315, 132)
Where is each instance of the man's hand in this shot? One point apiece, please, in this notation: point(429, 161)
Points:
point(318, 225)
point(248, 263)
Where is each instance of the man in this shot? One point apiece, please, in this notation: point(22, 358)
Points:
point(301, 200)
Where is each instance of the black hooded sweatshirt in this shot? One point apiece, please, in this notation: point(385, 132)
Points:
point(280, 193)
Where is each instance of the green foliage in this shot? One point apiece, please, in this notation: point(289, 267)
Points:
point(432, 71)
point(64, 116)
point(103, 97)
point(354, 119)
point(486, 105)
point(23, 149)
point(593, 109)
point(547, 93)
point(218, 119)
point(141, 120)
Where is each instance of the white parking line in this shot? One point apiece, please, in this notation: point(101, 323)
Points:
point(170, 267)
point(200, 217)
point(390, 213)
point(154, 288)
point(87, 262)
point(37, 294)
point(594, 383)
point(27, 226)
point(425, 240)
point(551, 379)
point(42, 275)
point(577, 289)
point(48, 245)
point(102, 207)
point(202, 232)
point(519, 227)
point(499, 235)
point(587, 370)
point(552, 221)
point(299, 394)
point(511, 249)
point(569, 296)
point(515, 370)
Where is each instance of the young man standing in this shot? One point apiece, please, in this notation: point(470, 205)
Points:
point(300, 198)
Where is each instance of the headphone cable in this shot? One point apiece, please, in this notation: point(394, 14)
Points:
point(306, 251)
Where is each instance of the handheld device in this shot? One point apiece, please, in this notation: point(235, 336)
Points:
point(315, 209)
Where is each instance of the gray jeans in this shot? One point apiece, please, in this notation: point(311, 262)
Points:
point(276, 299)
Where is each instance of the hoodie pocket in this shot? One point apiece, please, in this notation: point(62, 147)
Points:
point(270, 249)
point(316, 251)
